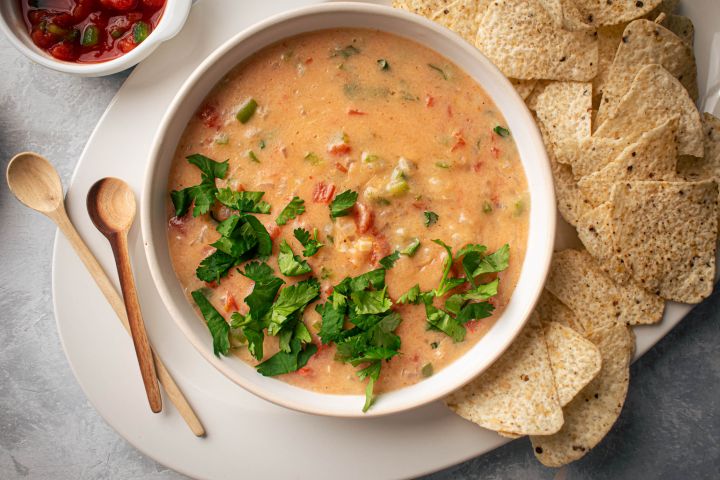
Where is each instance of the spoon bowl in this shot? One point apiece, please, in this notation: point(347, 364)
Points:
point(35, 182)
point(111, 205)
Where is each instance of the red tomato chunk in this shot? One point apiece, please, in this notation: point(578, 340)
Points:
point(90, 31)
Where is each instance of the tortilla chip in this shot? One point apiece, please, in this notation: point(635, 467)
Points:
point(550, 309)
point(593, 153)
point(564, 110)
point(570, 203)
point(521, 38)
point(601, 12)
point(708, 167)
point(652, 157)
point(644, 42)
point(666, 6)
point(565, 14)
point(596, 234)
point(460, 16)
point(592, 413)
point(682, 27)
point(574, 360)
point(609, 38)
point(665, 235)
point(654, 97)
point(578, 282)
point(517, 393)
point(523, 87)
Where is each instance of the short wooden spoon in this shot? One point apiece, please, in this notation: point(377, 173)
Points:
point(111, 205)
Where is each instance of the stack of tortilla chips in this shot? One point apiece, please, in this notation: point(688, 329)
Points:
point(613, 86)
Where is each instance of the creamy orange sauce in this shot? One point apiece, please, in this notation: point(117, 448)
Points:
point(435, 126)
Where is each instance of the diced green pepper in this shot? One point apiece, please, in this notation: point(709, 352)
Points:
point(427, 370)
point(222, 139)
point(247, 111)
point(90, 36)
point(312, 158)
point(140, 31)
point(411, 247)
point(487, 207)
point(251, 155)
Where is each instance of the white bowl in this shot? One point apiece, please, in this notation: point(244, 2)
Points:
point(13, 26)
point(529, 144)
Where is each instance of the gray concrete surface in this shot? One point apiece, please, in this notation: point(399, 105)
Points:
point(669, 428)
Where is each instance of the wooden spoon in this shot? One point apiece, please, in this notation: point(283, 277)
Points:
point(111, 205)
point(35, 183)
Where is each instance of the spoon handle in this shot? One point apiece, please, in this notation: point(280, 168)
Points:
point(60, 218)
point(137, 325)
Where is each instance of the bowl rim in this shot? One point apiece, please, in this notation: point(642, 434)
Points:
point(171, 22)
point(542, 208)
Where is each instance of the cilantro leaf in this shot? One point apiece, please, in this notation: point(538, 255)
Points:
point(263, 237)
point(290, 264)
point(389, 261)
point(374, 278)
point(236, 238)
point(266, 286)
point(431, 218)
point(483, 291)
point(293, 209)
point(495, 262)
point(411, 296)
point(371, 302)
point(291, 299)
point(342, 203)
point(333, 319)
point(440, 320)
point(252, 329)
point(287, 362)
point(244, 202)
point(447, 284)
point(411, 247)
point(312, 245)
point(502, 131)
point(215, 266)
point(475, 311)
point(202, 194)
point(372, 371)
point(219, 328)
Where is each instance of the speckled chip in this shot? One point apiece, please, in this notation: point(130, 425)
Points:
point(460, 16)
point(516, 395)
point(655, 96)
point(593, 411)
point(604, 12)
point(646, 43)
point(523, 40)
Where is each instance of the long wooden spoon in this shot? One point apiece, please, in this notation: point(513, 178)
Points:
point(35, 183)
point(111, 205)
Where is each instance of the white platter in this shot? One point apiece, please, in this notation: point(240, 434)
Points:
point(241, 426)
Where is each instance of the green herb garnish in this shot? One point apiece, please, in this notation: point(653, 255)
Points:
point(261, 144)
point(246, 202)
point(251, 155)
point(439, 70)
point(219, 328)
point(388, 261)
point(343, 203)
point(292, 210)
point(346, 52)
point(312, 245)
point(383, 64)
point(312, 158)
point(203, 195)
point(502, 131)
point(247, 110)
point(291, 265)
point(431, 218)
point(411, 247)
point(427, 370)
point(487, 207)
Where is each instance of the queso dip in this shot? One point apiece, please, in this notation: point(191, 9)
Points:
point(361, 148)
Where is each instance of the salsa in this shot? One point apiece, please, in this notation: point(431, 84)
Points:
point(353, 225)
point(90, 31)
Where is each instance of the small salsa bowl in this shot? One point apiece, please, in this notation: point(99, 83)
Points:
point(13, 26)
point(533, 158)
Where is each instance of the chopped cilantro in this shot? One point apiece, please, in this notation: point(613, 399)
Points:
point(442, 321)
point(383, 64)
point(313, 158)
point(345, 52)
point(431, 218)
point(439, 70)
point(290, 300)
point(251, 155)
point(203, 195)
point(290, 264)
point(312, 245)
point(447, 283)
point(342, 203)
point(246, 202)
point(411, 296)
point(434, 345)
point(369, 302)
point(502, 131)
point(487, 207)
point(411, 247)
point(292, 210)
point(219, 328)
point(388, 261)
point(261, 144)
point(286, 362)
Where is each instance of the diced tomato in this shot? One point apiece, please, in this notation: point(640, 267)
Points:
point(339, 148)
point(230, 304)
point(64, 20)
point(82, 9)
point(472, 325)
point(305, 372)
point(41, 37)
point(381, 248)
point(327, 290)
point(363, 216)
point(341, 167)
point(154, 3)
point(323, 193)
point(209, 116)
point(273, 230)
point(477, 166)
point(495, 151)
point(429, 101)
point(126, 43)
point(37, 16)
point(459, 141)
point(212, 284)
point(449, 111)
point(354, 111)
point(64, 51)
point(308, 61)
point(119, 5)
